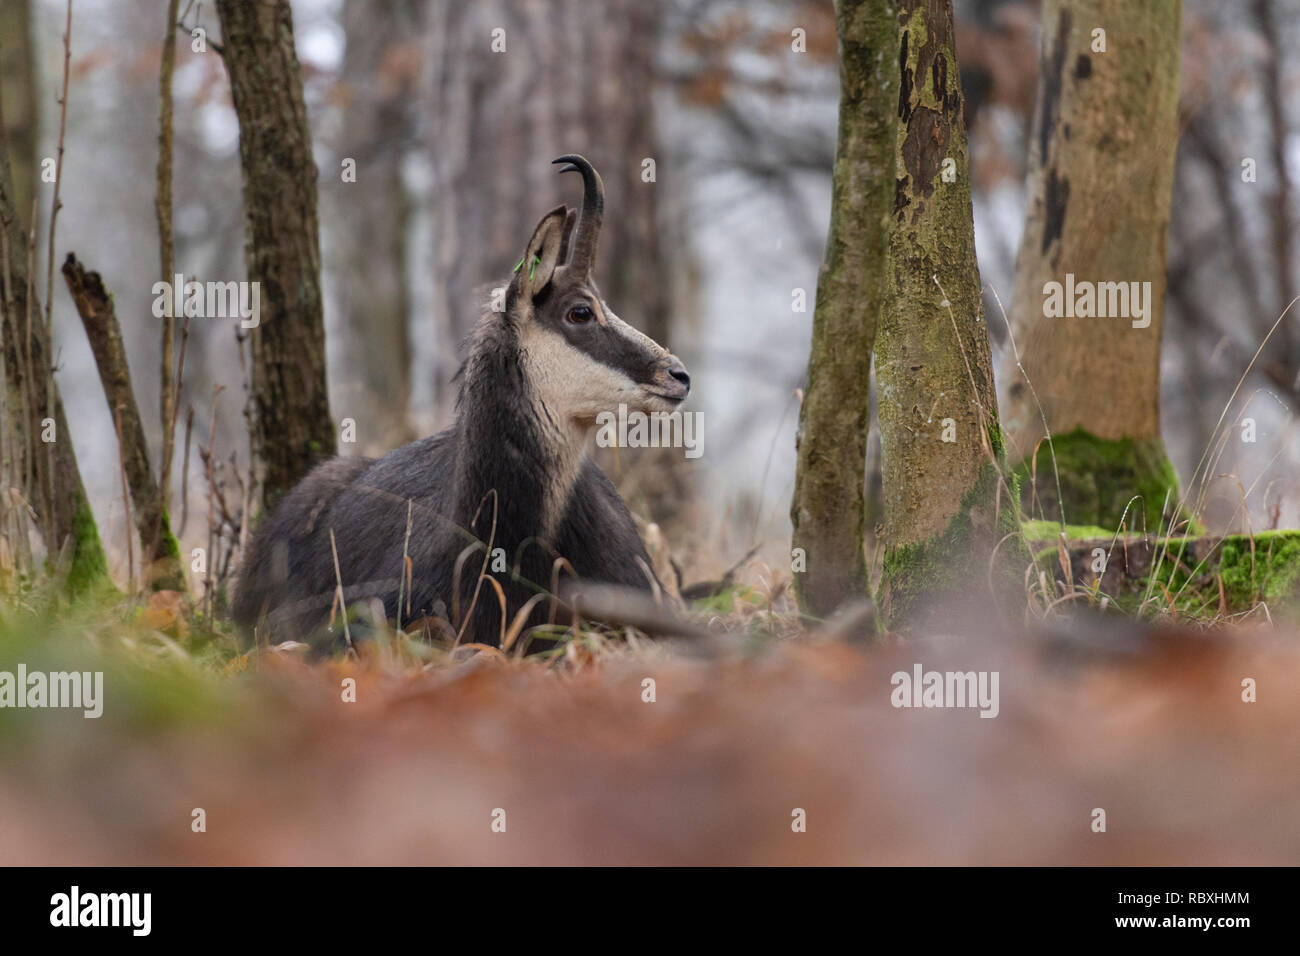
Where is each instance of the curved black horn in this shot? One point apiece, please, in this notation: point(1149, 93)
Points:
point(583, 244)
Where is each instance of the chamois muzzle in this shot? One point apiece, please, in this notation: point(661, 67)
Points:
point(678, 385)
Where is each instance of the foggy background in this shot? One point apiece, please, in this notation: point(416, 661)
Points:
point(453, 144)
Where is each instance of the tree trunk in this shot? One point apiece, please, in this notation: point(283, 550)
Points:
point(1100, 184)
point(828, 510)
point(52, 484)
point(292, 425)
point(369, 343)
point(95, 306)
point(18, 83)
point(496, 130)
point(945, 511)
point(1275, 90)
point(168, 387)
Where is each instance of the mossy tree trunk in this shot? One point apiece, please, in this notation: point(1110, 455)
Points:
point(828, 508)
point(1100, 183)
point(292, 425)
point(51, 479)
point(945, 511)
point(94, 304)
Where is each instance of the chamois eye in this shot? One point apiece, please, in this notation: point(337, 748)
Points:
point(580, 314)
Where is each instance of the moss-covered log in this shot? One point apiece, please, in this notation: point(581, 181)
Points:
point(828, 509)
point(1200, 577)
point(1088, 301)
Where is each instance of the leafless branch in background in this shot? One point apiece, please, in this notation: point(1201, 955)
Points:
point(169, 387)
point(55, 205)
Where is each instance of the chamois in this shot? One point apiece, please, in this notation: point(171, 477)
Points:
point(512, 473)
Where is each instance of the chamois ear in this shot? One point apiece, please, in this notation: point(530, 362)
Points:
point(570, 220)
point(541, 256)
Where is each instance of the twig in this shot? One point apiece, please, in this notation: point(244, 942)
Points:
point(126, 503)
point(343, 606)
point(482, 573)
point(185, 472)
point(189, 31)
point(212, 437)
point(6, 304)
point(29, 380)
point(406, 566)
point(55, 205)
point(251, 486)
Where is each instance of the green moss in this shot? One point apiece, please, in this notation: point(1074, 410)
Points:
point(170, 575)
point(1263, 568)
point(997, 443)
point(955, 560)
point(726, 601)
point(1098, 479)
point(1036, 531)
point(89, 568)
point(170, 546)
point(1270, 571)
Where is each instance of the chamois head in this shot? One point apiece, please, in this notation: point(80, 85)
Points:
point(580, 357)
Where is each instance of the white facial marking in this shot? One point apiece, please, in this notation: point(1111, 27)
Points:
point(576, 387)
point(572, 388)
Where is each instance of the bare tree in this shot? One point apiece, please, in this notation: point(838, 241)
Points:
point(383, 65)
point(292, 425)
point(53, 483)
point(50, 479)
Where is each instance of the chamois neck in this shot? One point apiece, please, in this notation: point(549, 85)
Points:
point(510, 442)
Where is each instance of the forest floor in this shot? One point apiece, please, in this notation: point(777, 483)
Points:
point(747, 734)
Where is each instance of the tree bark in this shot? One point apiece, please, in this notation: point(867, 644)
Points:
point(496, 130)
point(1100, 183)
point(945, 511)
point(95, 306)
point(53, 484)
point(1275, 90)
point(292, 428)
point(168, 397)
point(369, 341)
point(18, 83)
point(18, 124)
point(828, 510)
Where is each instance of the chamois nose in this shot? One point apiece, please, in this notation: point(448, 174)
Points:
point(678, 371)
